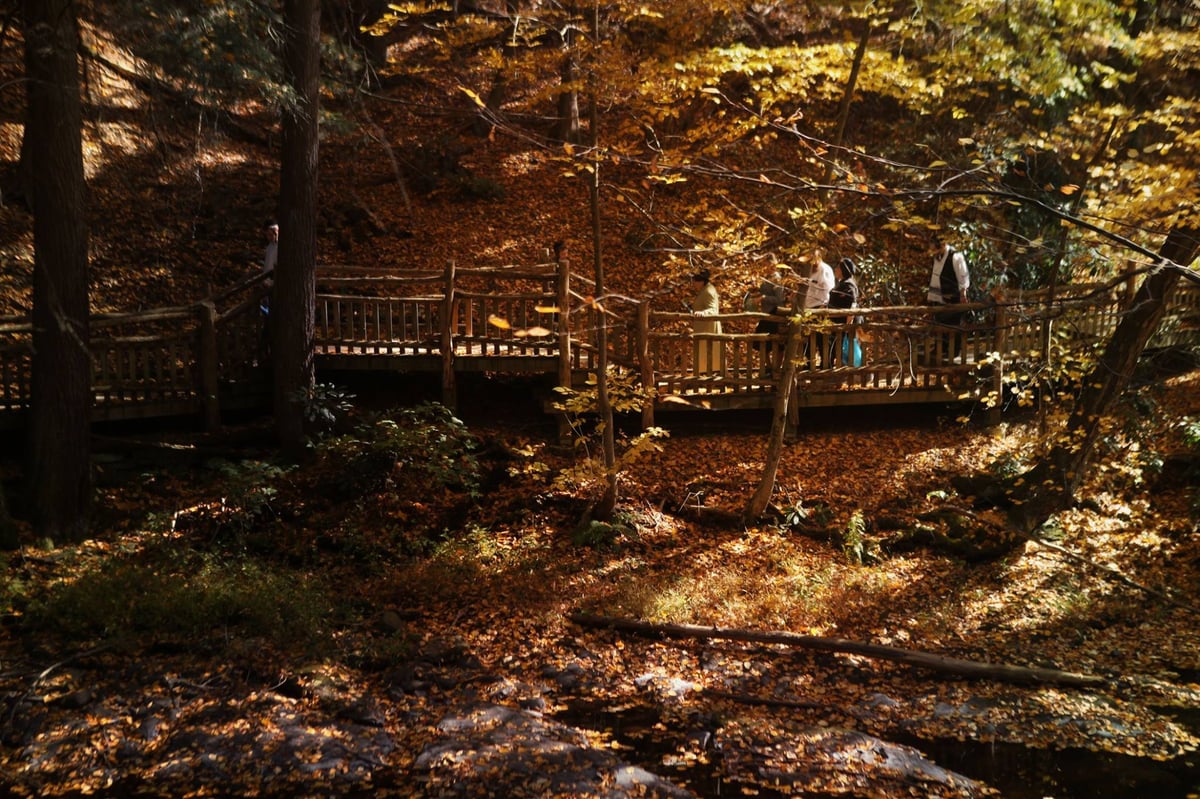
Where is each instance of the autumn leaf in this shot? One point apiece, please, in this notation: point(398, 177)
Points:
point(474, 97)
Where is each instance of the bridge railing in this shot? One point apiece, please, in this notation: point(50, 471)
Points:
point(190, 359)
point(16, 363)
point(900, 348)
point(496, 312)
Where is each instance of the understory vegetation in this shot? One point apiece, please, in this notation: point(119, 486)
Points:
point(282, 571)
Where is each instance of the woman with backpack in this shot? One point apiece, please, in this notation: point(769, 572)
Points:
point(845, 348)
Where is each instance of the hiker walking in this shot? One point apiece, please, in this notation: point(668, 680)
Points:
point(948, 284)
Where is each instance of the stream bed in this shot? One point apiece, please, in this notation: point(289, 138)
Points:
point(695, 759)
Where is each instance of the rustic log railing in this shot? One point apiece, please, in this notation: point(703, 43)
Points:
point(210, 357)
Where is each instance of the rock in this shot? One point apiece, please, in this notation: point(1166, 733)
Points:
point(846, 762)
point(514, 753)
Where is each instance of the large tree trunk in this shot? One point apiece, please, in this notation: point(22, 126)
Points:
point(295, 275)
point(60, 470)
point(1057, 478)
point(567, 127)
point(603, 510)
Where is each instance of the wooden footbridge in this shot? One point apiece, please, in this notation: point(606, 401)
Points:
point(210, 357)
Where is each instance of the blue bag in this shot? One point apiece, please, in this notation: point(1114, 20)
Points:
point(851, 351)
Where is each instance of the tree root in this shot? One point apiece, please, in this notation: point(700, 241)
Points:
point(1112, 572)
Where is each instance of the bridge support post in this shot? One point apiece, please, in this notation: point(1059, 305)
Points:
point(790, 377)
point(209, 366)
point(564, 340)
point(1000, 342)
point(780, 421)
point(646, 367)
point(449, 387)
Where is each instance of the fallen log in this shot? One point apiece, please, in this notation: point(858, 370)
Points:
point(973, 669)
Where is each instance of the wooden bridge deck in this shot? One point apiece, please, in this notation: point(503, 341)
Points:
point(208, 358)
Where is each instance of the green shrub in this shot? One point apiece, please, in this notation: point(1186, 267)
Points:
point(324, 405)
point(590, 475)
point(247, 494)
point(169, 595)
point(425, 445)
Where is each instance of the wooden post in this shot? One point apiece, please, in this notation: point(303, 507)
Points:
point(779, 421)
point(209, 363)
point(1000, 342)
point(564, 323)
point(790, 376)
point(449, 389)
point(563, 302)
point(649, 387)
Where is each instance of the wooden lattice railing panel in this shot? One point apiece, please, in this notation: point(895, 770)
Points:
point(176, 360)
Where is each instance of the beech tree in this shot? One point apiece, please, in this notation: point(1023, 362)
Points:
point(60, 467)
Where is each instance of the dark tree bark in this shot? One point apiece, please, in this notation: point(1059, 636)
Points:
point(603, 509)
point(295, 275)
point(8, 529)
point(1057, 478)
point(60, 471)
point(567, 127)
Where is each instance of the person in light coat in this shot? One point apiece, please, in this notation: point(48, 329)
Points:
point(820, 282)
point(706, 302)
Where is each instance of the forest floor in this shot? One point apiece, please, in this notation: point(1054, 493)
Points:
point(243, 626)
point(240, 627)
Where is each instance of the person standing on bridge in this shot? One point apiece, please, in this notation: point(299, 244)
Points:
point(845, 295)
point(948, 285)
point(820, 283)
point(270, 259)
point(706, 303)
point(772, 300)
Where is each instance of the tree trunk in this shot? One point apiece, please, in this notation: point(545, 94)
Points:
point(1057, 478)
point(1059, 261)
point(8, 528)
point(758, 503)
point(843, 116)
point(603, 509)
point(60, 469)
point(965, 668)
point(497, 95)
point(568, 98)
point(295, 276)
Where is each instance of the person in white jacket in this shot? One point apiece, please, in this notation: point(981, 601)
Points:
point(820, 282)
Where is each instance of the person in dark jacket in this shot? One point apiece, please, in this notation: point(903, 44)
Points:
point(772, 300)
point(844, 295)
point(949, 282)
